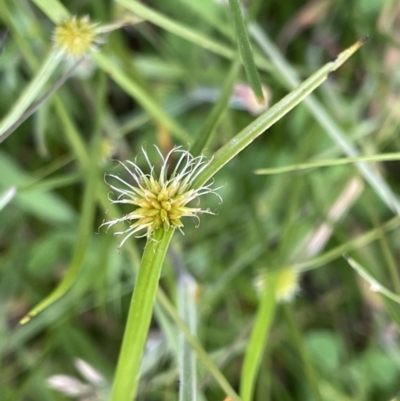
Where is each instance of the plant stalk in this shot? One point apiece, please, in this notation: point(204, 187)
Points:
point(139, 316)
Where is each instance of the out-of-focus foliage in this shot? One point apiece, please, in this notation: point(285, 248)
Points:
point(337, 339)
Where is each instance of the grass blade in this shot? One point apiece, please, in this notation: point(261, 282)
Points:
point(187, 289)
point(245, 49)
point(31, 91)
point(85, 230)
point(53, 9)
point(214, 118)
point(328, 163)
point(348, 246)
point(272, 115)
point(40, 102)
point(375, 285)
point(202, 355)
point(178, 29)
point(332, 129)
point(110, 67)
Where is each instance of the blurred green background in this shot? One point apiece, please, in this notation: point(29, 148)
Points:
point(57, 159)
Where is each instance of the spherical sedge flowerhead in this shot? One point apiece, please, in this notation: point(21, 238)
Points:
point(76, 36)
point(160, 200)
point(287, 285)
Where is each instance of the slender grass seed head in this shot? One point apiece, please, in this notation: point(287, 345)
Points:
point(160, 200)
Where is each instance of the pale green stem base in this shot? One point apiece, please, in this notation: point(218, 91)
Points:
point(258, 339)
point(126, 378)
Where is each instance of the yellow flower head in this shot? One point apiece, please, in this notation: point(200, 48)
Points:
point(76, 36)
point(287, 285)
point(160, 200)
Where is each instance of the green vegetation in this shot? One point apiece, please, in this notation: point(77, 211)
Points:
point(288, 289)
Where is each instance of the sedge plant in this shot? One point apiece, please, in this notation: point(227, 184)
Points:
point(159, 200)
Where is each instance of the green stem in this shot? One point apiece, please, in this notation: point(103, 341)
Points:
point(328, 163)
point(187, 305)
point(140, 311)
point(245, 50)
point(258, 339)
point(214, 118)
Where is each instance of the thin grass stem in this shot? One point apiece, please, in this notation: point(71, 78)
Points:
point(245, 50)
point(328, 163)
point(258, 338)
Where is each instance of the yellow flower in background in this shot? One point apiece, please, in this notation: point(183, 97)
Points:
point(76, 36)
point(287, 285)
point(160, 200)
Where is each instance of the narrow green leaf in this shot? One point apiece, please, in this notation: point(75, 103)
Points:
point(53, 9)
point(71, 132)
point(139, 316)
point(208, 10)
point(84, 235)
point(52, 183)
point(328, 163)
point(38, 105)
point(322, 116)
point(375, 285)
point(187, 307)
point(254, 9)
point(178, 29)
point(219, 24)
point(359, 242)
point(258, 338)
point(384, 244)
point(40, 127)
point(214, 118)
point(108, 65)
point(245, 49)
point(272, 115)
point(31, 91)
point(202, 355)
